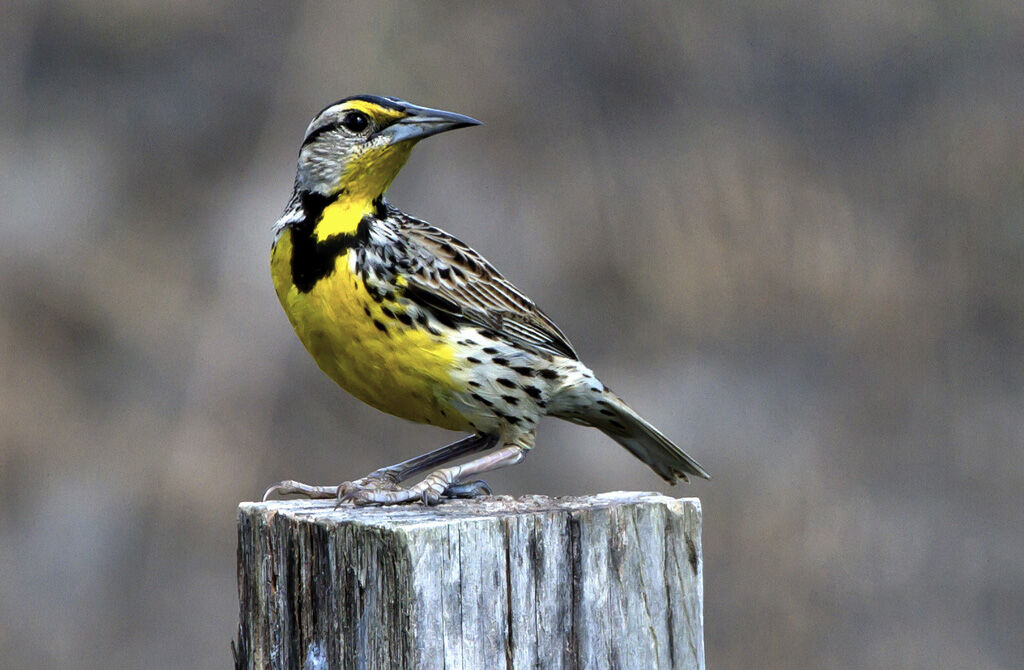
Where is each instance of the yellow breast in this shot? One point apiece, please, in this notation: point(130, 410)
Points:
point(397, 368)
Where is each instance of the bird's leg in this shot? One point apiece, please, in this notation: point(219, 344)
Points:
point(388, 478)
point(439, 482)
point(401, 471)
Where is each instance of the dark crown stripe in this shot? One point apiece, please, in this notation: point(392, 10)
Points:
point(374, 99)
point(389, 103)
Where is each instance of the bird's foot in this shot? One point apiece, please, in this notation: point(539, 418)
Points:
point(378, 480)
point(380, 488)
point(430, 491)
point(382, 480)
point(446, 482)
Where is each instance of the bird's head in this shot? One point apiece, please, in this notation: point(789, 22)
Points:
point(356, 146)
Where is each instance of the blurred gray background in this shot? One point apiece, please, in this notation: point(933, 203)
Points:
point(790, 234)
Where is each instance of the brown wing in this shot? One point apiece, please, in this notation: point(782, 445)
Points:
point(456, 282)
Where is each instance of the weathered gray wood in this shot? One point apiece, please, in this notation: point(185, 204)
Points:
point(606, 581)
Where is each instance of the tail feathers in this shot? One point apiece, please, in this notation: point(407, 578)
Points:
point(618, 421)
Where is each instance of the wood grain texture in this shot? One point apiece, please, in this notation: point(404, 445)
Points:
point(606, 581)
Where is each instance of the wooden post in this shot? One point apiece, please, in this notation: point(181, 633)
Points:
point(606, 581)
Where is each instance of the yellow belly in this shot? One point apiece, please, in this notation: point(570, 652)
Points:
point(400, 370)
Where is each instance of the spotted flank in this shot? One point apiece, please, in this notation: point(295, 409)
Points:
point(415, 323)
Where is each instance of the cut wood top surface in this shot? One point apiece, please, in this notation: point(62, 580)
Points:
point(325, 511)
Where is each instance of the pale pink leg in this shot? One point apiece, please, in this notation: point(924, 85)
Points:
point(436, 483)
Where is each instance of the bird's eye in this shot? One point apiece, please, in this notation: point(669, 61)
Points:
point(355, 122)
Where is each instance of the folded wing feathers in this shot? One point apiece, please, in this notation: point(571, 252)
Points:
point(483, 296)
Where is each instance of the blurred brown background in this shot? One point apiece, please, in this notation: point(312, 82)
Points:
point(790, 234)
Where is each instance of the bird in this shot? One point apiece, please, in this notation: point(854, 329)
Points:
point(415, 323)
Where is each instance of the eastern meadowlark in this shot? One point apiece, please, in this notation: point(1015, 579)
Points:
point(415, 323)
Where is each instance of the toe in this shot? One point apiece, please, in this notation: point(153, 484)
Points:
point(473, 489)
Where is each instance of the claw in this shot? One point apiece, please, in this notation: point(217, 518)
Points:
point(359, 498)
point(473, 489)
point(360, 491)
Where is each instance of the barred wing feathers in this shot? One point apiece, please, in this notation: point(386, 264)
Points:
point(453, 280)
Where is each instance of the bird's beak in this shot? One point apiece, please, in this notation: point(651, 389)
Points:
point(420, 122)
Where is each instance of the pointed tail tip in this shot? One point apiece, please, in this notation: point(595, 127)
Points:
point(692, 468)
point(701, 472)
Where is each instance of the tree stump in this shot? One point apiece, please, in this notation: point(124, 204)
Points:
point(606, 581)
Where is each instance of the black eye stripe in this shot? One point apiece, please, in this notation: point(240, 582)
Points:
point(334, 125)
